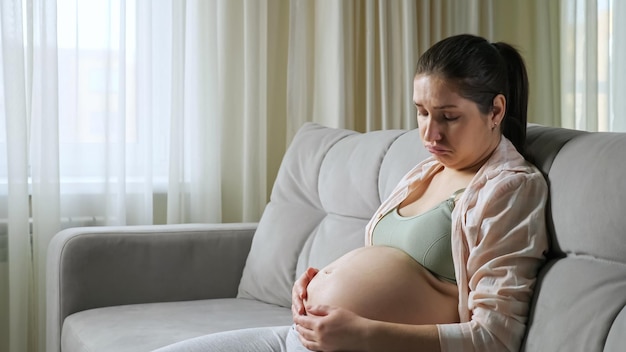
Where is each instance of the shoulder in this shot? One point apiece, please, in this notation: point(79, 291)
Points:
point(523, 184)
point(507, 170)
point(513, 178)
point(505, 182)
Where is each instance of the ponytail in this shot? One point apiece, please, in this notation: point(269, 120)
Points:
point(515, 119)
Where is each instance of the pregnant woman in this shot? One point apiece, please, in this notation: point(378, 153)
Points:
point(451, 256)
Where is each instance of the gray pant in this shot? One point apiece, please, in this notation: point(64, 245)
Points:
point(293, 342)
point(269, 339)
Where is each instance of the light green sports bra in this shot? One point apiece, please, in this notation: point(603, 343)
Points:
point(425, 237)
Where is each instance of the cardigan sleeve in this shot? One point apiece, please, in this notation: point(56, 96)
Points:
point(504, 240)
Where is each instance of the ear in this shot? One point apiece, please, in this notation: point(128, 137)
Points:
point(498, 109)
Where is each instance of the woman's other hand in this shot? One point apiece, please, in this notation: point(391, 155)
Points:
point(299, 292)
point(327, 328)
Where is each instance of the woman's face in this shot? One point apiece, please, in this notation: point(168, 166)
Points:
point(452, 128)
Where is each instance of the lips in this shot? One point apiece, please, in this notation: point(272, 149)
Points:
point(437, 150)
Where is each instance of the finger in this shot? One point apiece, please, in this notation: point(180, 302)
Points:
point(308, 338)
point(306, 341)
point(297, 305)
point(306, 321)
point(311, 272)
point(305, 332)
point(298, 292)
point(300, 321)
point(320, 310)
point(310, 345)
point(295, 312)
point(299, 286)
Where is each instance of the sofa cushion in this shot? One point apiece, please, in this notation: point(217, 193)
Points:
point(576, 301)
point(327, 188)
point(615, 339)
point(544, 143)
point(587, 199)
point(144, 327)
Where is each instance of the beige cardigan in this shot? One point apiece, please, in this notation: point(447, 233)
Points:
point(499, 239)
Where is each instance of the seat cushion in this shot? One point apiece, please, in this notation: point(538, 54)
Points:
point(145, 327)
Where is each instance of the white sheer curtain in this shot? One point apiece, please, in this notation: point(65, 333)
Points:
point(593, 39)
point(121, 112)
point(30, 123)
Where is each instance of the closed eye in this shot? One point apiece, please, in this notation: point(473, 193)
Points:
point(422, 112)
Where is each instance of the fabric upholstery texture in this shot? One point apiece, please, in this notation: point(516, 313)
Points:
point(615, 339)
point(144, 327)
point(588, 200)
point(583, 288)
point(96, 267)
point(207, 287)
point(576, 303)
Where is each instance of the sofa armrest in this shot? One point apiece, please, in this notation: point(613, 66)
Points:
point(93, 267)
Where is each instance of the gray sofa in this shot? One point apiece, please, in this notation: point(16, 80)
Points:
point(145, 287)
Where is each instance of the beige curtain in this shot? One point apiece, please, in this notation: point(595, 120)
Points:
point(533, 27)
point(351, 63)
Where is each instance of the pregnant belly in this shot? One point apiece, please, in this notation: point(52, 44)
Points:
point(384, 283)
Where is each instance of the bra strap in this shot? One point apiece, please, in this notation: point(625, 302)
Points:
point(456, 194)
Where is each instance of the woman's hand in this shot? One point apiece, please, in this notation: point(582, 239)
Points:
point(327, 328)
point(299, 292)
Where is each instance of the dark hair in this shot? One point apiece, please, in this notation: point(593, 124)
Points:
point(481, 71)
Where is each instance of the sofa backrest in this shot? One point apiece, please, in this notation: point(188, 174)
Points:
point(332, 180)
point(581, 293)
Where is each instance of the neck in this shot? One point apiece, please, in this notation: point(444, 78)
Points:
point(473, 168)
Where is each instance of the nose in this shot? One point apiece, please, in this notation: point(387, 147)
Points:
point(430, 130)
